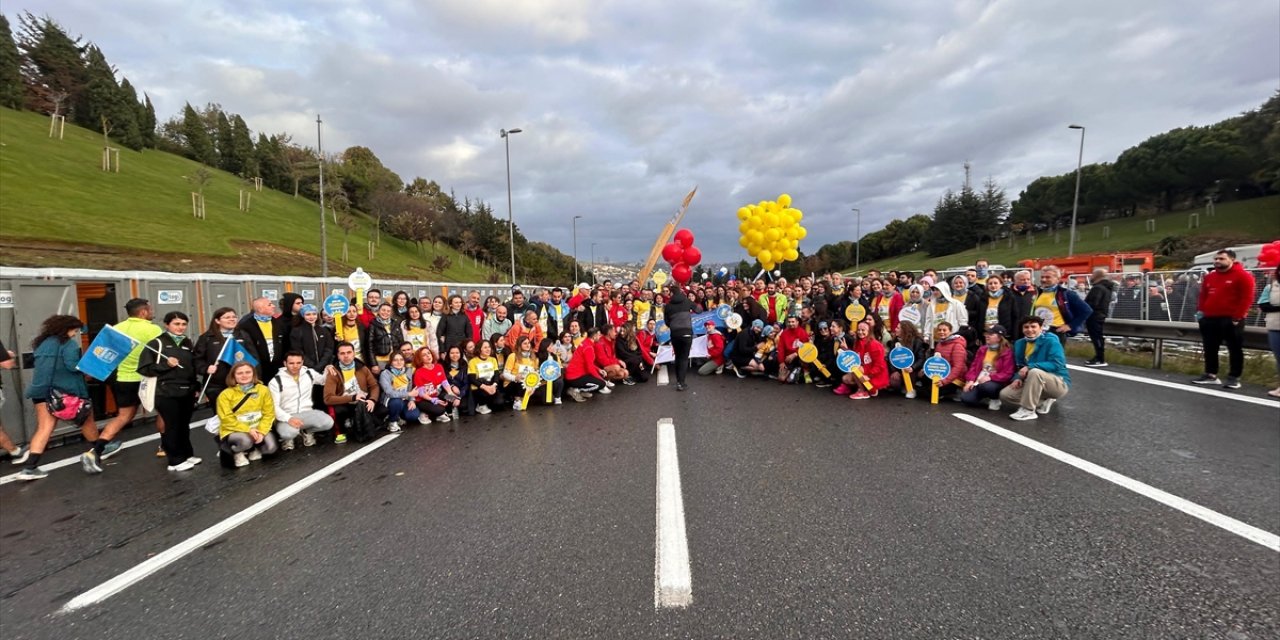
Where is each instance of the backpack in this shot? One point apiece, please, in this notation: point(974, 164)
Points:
point(364, 424)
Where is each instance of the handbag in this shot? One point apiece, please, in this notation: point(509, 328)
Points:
point(147, 393)
point(71, 408)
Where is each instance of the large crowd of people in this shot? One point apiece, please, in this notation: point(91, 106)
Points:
point(392, 361)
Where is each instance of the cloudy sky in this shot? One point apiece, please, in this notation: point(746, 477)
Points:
point(625, 106)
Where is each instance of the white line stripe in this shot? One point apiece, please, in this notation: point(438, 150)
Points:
point(173, 554)
point(13, 477)
point(672, 581)
point(1188, 387)
point(1247, 531)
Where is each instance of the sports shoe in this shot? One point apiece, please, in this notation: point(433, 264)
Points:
point(629, 382)
point(680, 386)
point(910, 395)
point(1231, 383)
point(254, 455)
point(585, 394)
point(860, 394)
point(393, 426)
point(33, 474)
point(484, 410)
point(719, 369)
point(286, 445)
point(308, 439)
point(738, 372)
point(194, 460)
point(241, 459)
point(1274, 393)
point(1023, 414)
point(993, 405)
point(558, 400)
point(1095, 363)
point(608, 384)
point(341, 438)
point(110, 449)
point(185, 465)
point(160, 452)
point(822, 384)
point(842, 390)
point(604, 391)
point(89, 462)
point(1045, 405)
point(574, 394)
point(444, 417)
point(1207, 378)
point(21, 456)
point(516, 406)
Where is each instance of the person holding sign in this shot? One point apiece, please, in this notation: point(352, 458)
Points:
point(715, 350)
point(991, 371)
point(908, 379)
point(582, 376)
point(872, 371)
point(950, 346)
point(520, 364)
point(789, 342)
point(1041, 375)
point(482, 374)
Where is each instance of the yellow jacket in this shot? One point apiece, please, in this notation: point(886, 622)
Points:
point(257, 413)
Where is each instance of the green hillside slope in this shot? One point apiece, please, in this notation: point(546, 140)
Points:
point(1240, 222)
point(58, 208)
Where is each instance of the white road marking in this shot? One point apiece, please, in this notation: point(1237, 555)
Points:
point(175, 553)
point(672, 581)
point(13, 477)
point(1246, 531)
point(1216, 392)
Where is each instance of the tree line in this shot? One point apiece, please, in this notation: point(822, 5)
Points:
point(45, 69)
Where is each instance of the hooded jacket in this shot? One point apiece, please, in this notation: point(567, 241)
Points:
point(954, 313)
point(1099, 297)
point(679, 314)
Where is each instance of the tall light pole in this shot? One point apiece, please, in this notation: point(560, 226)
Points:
point(593, 264)
point(324, 234)
point(857, 255)
point(575, 249)
point(1075, 204)
point(511, 223)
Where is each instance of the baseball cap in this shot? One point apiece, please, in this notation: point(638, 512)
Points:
point(998, 330)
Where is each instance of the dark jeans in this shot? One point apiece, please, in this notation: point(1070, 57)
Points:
point(1094, 325)
point(980, 393)
point(1215, 331)
point(681, 344)
point(176, 439)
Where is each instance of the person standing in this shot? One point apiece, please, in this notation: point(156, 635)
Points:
point(268, 335)
point(1225, 297)
point(1268, 302)
point(56, 352)
point(124, 389)
point(679, 316)
point(1099, 299)
point(17, 455)
point(174, 369)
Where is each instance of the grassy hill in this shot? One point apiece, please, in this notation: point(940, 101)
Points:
point(1240, 222)
point(58, 208)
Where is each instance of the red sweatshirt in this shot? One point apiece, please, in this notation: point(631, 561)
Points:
point(583, 362)
point(618, 315)
point(606, 355)
point(476, 316)
point(1226, 294)
point(874, 367)
point(715, 348)
point(645, 340)
point(789, 342)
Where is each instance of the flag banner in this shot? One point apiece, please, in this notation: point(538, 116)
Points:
point(699, 348)
point(234, 352)
point(666, 353)
point(703, 318)
point(105, 353)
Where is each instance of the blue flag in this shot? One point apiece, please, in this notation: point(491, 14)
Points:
point(105, 353)
point(233, 352)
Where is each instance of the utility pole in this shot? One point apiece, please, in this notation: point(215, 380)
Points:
point(324, 233)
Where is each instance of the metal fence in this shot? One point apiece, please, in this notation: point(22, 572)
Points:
point(1164, 296)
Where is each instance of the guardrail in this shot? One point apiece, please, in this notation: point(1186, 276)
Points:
point(1158, 332)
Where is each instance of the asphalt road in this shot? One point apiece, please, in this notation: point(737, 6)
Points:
point(808, 516)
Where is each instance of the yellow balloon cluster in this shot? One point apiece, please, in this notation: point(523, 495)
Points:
point(771, 231)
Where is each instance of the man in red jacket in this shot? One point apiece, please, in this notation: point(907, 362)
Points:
point(789, 342)
point(1225, 297)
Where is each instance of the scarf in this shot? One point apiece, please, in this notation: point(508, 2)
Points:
point(261, 317)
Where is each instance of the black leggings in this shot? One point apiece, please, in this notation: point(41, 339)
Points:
point(585, 383)
point(681, 344)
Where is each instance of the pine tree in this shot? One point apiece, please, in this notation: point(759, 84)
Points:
point(129, 113)
point(226, 158)
point(148, 123)
point(198, 145)
point(242, 148)
point(53, 68)
point(10, 68)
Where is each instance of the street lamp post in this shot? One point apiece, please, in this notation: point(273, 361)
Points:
point(575, 248)
point(324, 234)
point(857, 254)
point(593, 264)
point(1075, 204)
point(511, 223)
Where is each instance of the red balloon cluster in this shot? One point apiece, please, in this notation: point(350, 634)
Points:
point(682, 256)
point(1269, 255)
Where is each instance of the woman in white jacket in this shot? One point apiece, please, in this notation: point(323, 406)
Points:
point(942, 307)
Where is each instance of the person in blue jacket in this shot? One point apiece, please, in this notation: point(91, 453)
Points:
point(57, 352)
point(1040, 371)
point(1063, 310)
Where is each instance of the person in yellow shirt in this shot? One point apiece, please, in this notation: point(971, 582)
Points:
point(247, 413)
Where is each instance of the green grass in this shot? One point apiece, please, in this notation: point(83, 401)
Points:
point(1259, 366)
point(1257, 219)
point(55, 190)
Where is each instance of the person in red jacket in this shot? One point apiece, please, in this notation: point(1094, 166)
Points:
point(616, 310)
point(874, 368)
point(475, 313)
point(582, 376)
point(607, 356)
point(1225, 297)
point(372, 300)
point(715, 351)
point(789, 341)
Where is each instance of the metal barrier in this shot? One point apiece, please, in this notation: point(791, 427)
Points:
point(1164, 296)
point(1159, 332)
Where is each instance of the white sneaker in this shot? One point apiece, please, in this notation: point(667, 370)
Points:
point(484, 410)
point(308, 439)
point(287, 445)
point(993, 404)
point(241, 459)
point(185, 465)
point(444, 417)
point(608, 385)
point(719, 369)
point(605, 390)
point(575, 395)
point(910, 395)
point(1045, 405)
point(393, 426)
point(585, 394)
point(516, 406)
point(424, 418)
point(254, 455)
point(1024, 414)
point(194, 460)
point(558, 400)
